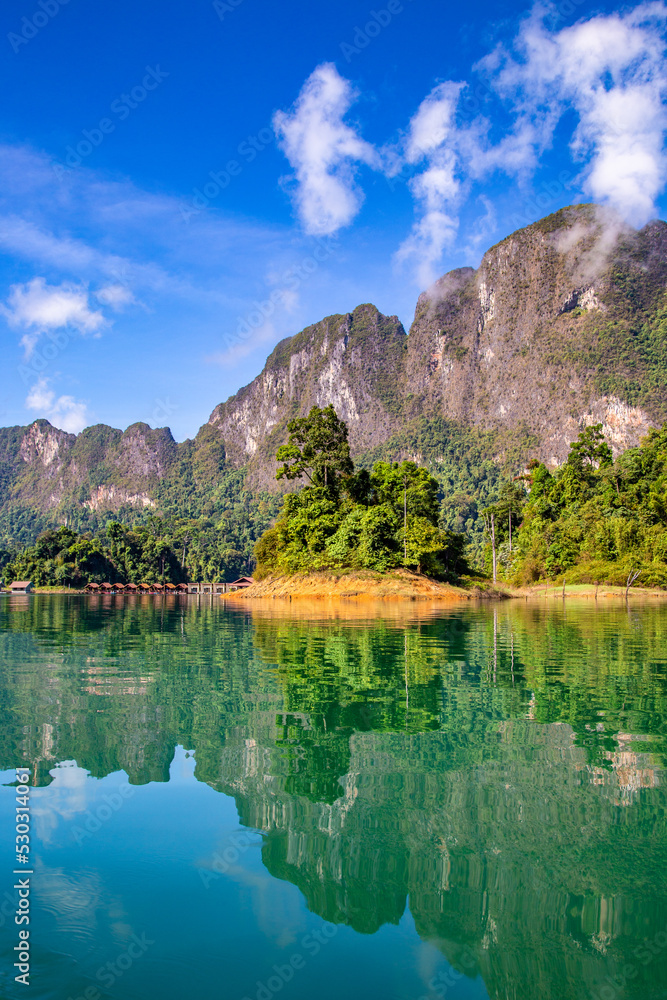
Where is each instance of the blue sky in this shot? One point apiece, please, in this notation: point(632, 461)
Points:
point(183, 185)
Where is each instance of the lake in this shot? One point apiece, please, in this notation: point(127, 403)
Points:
point(297, 802)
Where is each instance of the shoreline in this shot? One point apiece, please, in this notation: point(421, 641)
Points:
point(406, 585)
point(396, 585)
point(361, 585)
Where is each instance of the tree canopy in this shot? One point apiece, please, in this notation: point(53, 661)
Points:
point(595, 518)
point(376, 520)
point(162, 549)
point(317, 448)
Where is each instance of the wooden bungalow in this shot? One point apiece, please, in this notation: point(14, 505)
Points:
point(170, 588)
point(241, 583)
point(92, 588)
point(157, 588)
point(182, 588)
point(106, 588)
point(131, 588)
point(144, 588)
point(21, 587)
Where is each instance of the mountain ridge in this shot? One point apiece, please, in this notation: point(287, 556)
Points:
point(563, 324)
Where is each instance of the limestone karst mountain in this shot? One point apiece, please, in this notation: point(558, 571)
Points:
point(564, 323)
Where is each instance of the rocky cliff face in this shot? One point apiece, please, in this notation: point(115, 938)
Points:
point(44, 468)
point(563, 324)
point(45, 445)
point(526, 338)
point(356, 362)
point(545, 335)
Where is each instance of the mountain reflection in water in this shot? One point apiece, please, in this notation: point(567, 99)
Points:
point(495, 772)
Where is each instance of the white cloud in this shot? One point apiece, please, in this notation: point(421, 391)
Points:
point(240, 347)
point(453, 156)
point(483, 227)
point(516, 154)
point(36, 243)
point(611, 71)
point(48, 307)
point(29, 342)
point(40, 396)
point(324, 151)
point(437, 189)
point(65, 412)
point(115, 296)
point(103, 233)
point(37, 307)
point(432, 125)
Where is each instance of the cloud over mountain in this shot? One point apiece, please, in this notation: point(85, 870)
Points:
point(606, 74)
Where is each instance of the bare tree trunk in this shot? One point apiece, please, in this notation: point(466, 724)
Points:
point(493, 544)
point(632, 576)
point(510, 520)
point(405, 519)
point(495, 644)
point(407, 687)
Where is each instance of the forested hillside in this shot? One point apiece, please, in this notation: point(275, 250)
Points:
point(594, 519)
point(563, 326)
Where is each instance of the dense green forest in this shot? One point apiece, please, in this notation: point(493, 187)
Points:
point(198, 489)
point(345, 519)
point(162, 549)
point(594, 519)
point(470, 466)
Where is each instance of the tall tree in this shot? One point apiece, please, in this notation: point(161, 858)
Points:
point(590, 449)
point(489, 515)
point(510, 503)
point(410, 491)
point(317, 448)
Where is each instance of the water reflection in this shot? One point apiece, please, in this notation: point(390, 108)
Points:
point(496, 773)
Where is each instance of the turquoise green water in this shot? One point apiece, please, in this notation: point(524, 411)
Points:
point(236, 804)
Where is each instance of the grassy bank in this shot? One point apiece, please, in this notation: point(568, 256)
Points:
point(549, 592)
